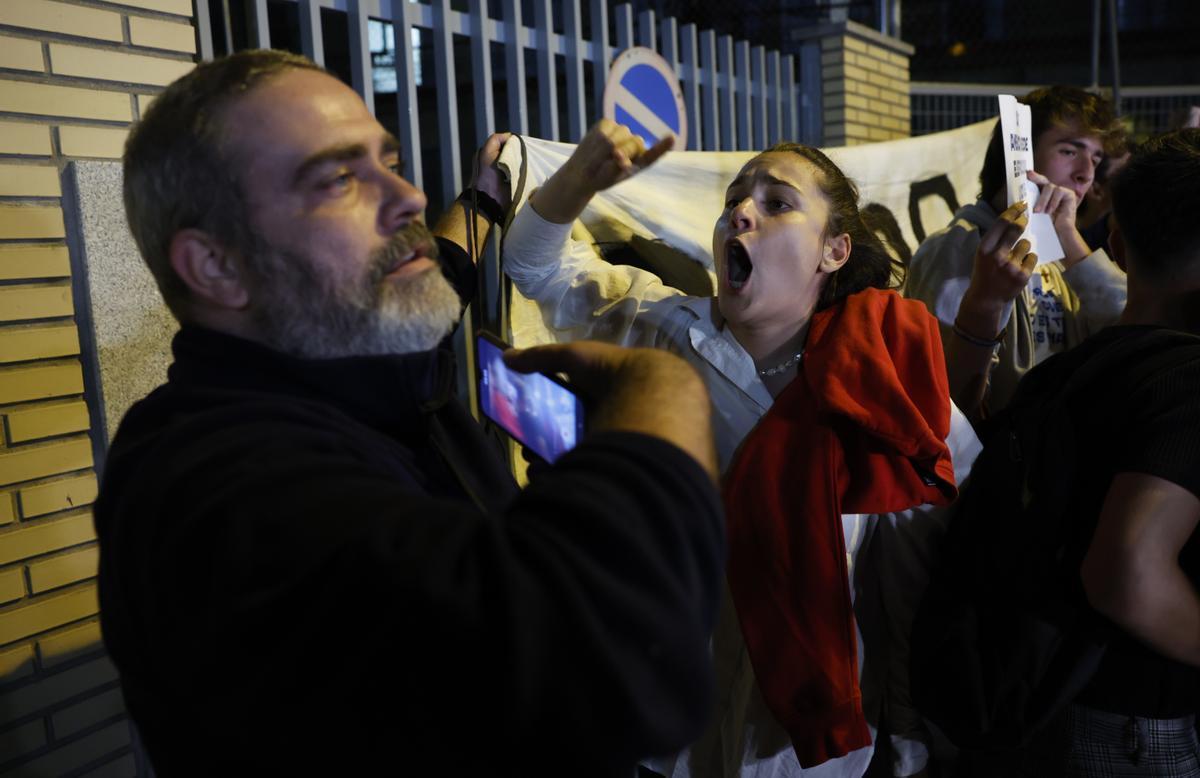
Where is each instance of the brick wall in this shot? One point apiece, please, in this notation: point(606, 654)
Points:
point(864, 84)
point(73, 76)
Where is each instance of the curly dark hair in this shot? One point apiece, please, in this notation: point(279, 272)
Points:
point(1049, 106)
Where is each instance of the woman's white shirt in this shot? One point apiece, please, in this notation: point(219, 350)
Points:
point(582, 296)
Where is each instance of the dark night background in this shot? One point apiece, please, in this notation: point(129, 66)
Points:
point(982, 42)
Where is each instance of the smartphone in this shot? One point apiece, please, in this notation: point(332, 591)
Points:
point(540, 412)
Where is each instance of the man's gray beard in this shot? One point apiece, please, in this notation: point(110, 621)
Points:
point(303, 316)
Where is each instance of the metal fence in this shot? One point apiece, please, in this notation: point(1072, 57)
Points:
point(547, 78)
point(938, 106)
point(443, 78)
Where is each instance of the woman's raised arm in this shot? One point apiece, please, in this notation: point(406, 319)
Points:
point(607, 155)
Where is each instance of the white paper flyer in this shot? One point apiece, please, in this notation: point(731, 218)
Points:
point(1017, 132)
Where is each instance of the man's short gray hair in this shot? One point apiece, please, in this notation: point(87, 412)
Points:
point(178, 173)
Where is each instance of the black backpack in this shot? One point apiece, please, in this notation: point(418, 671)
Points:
point(1004, 638)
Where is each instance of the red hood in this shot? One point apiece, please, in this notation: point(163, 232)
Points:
point(862, 430)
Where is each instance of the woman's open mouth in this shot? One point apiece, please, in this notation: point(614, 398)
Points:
point(738, 266)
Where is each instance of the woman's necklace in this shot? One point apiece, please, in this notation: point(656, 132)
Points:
point(782, 366)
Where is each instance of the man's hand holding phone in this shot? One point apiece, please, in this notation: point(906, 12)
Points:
point(636, 390)
point(539, 411)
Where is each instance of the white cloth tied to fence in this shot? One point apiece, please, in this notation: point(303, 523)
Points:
point(678, 199)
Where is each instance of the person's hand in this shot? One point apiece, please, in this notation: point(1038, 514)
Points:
point(607, 155)
point(1003, 266)
point(487, 175)
point(636, 390)
point(611, 153)
point(455, 223)
point(1061, 203)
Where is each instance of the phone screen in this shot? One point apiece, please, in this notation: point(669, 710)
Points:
point(539, 412)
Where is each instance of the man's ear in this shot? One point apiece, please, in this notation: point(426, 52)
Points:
point(835, 252)
point(212, 273)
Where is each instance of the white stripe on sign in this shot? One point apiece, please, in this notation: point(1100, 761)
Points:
point(638, 110)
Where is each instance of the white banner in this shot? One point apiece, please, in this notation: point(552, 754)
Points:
point(921, 180)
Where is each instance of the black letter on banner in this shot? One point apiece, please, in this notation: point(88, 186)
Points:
point(918, 190)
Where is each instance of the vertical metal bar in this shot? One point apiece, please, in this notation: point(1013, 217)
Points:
point(576, 100)
point(773, 98)
point(514, 66)
point(600, 53)
point(481, 70)
point(708, 91)
point(262, 26)
point(406, 93)
point(727, 114)
point(669, 31)
point(546, 75)
point(691, 85)
point(895, 19)
point(227, 19)
point(882, 7)
point(745, 124)
point(447, 97)
point(624, 27)
point(758, 99)
point(311, 42)
point(811, 126)
point(645, 32)
point(789, 99)
point(1096, 44)
point(204, 42)
point(360, 53)
point(1116, 55)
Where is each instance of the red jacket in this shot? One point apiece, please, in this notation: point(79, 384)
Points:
point(862, 429)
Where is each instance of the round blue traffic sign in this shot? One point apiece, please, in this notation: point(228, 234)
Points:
point(643, 93)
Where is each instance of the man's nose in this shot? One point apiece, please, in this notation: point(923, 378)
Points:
point(1085, 171)
point(403, 203)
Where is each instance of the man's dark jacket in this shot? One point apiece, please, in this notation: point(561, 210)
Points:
point(322, 567)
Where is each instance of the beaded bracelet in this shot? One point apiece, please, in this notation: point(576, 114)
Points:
point(978, 341)
point(484, 203)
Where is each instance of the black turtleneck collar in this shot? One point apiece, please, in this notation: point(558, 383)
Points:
point(391, 392)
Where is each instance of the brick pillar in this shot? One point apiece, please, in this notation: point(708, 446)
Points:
point(863, 83)
point(76, 75)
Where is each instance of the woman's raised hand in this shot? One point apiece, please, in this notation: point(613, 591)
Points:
point(610, 153)
point(607, 155)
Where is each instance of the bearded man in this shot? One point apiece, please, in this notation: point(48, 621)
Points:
point(312, 562)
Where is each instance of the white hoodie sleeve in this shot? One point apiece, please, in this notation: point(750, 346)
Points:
point(579, 293)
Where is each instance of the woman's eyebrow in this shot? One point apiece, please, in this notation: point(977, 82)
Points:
point(780, 182)
point(742, 179)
